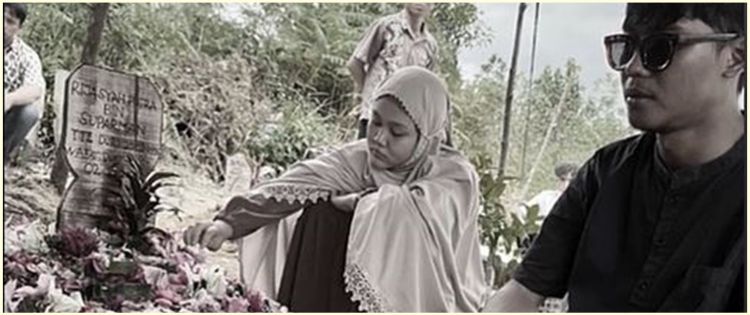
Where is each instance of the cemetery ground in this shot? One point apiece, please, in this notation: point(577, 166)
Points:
point(30, 195)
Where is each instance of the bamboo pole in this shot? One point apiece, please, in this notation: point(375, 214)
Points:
point(509, 93)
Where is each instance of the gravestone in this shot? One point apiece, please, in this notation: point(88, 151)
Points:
point(239, 174)
point(107, 115)
point(58, 98)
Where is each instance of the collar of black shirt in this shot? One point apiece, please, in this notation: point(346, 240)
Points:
point(737, 153)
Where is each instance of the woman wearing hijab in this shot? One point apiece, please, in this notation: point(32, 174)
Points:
point(390, 222)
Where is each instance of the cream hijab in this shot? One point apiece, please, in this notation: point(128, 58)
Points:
point(424, 98)
point(414, 243)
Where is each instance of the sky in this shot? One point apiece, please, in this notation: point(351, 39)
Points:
point(565, 30)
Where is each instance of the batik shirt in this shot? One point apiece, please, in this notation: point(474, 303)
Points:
point(389, 44)
point(21, 65)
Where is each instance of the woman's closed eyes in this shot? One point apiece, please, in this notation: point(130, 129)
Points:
point(392, 134)
point(394, 128)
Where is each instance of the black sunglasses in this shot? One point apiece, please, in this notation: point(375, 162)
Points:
point(655, 50)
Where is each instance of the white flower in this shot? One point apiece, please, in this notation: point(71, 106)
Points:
point(216, 283)
point(29, 237)
point(9, 306)
point(155, 277)
point(62, 303)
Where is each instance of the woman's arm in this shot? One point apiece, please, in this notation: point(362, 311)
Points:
point(245, 214)
point(241, 216)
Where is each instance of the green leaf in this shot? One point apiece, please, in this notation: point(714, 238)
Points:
point(157, 176)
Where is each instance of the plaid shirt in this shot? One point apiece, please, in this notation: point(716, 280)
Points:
point(21, 66)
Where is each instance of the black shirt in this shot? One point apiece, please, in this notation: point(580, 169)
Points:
point(630, 235)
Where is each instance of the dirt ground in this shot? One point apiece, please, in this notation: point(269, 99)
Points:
point(199, 199)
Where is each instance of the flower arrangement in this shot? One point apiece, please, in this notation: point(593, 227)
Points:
point(73, 270)
point(128, 266)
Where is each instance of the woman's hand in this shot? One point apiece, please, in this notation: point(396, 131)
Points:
point(209, 235)
point(345, 203)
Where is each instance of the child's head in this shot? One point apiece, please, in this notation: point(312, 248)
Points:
point(14, 14)
point(565, 173)
point(419, 9)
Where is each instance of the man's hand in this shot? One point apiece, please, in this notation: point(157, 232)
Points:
point(8, 100)
point(25, 95)
point(209, 235)
point(513, 297)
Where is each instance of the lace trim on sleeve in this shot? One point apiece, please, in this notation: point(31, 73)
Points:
point(292, 193)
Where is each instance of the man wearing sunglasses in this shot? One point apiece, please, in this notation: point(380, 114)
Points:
point(656, 222)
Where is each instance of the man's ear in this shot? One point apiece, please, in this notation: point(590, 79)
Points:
point(735, 64)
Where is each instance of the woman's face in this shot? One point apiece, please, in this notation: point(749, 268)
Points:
point(391, 134)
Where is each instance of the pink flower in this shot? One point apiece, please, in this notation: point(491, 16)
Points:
point(169, 295)
point(93, 307)
point(130, 306)
point(75, 241)
point(180, 258)
point(255, 299)
point(96, 263)
point(237, 305)
point(178, 278)
point(163, 302)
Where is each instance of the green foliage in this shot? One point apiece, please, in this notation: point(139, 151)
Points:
point(296, 130)
point(477, 109)
point(55, 32)
point(136, 203)
point(456, 26)
point(500, 227)
point(214, 108)
point(586, 122)
point(310, 48)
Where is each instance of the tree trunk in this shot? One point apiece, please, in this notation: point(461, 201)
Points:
point(96, 28)
point(509, 93)
point(59, 174)
point(553, 123)
point(531, 85)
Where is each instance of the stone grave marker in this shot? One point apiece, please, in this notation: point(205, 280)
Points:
point(239, 174)
point(107, 115)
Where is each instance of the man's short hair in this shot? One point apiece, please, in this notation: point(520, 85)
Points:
point(563, 169)
point(19, 10)
point(653, 17)
point(647, 18)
